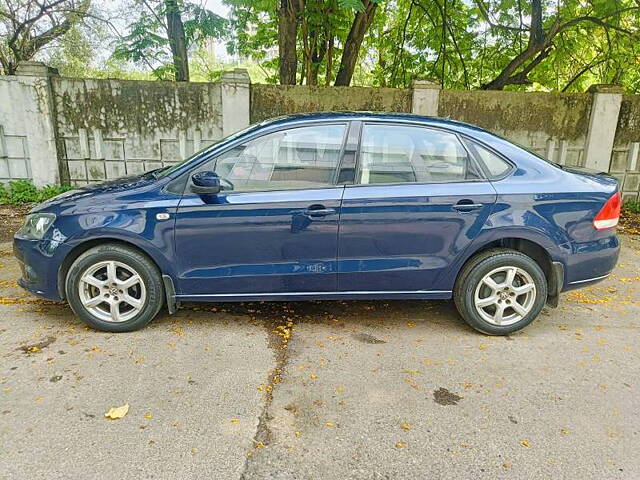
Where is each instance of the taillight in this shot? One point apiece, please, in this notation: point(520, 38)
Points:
point(608, 216)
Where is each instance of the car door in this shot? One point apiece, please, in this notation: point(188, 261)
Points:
point(274, 227)
point(418, 201)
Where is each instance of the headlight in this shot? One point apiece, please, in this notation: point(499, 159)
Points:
point(36, 225)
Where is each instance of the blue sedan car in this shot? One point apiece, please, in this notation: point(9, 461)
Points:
point(330, 206)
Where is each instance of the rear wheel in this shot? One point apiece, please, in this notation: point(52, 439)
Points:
point(500, 291)
point(114, 288)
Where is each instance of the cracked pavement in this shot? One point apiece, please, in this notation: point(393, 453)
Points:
point(365, 390)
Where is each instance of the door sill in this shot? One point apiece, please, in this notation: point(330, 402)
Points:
point(353, 294)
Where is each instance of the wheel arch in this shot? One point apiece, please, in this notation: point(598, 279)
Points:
point(86, 245)
point(535, 248)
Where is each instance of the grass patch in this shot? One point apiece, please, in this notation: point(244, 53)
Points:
point(19, 192)
point(631, 206)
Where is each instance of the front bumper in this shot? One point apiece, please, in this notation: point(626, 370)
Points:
point(40, 262)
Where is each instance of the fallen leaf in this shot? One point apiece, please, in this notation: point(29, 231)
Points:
point(525, 443)
point(115, 413)
point(148, 416)
point(330, 424)
point(234, 421)
point(564, 431)
point(405, 426)
point(401, 445)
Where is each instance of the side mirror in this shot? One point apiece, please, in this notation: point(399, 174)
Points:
point(206, 182)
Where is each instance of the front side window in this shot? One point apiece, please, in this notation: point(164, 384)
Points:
point(305, 157)
point(400, 154)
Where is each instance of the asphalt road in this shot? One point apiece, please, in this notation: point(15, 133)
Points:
point(329, 390)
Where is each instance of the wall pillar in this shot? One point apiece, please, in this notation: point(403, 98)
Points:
point(35, 119)
point(235, 92)
point(425, 98)
point(602, 126)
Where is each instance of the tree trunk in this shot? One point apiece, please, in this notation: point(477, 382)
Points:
point(287, 36)
point(177, 41)
point(329, 71)
point(359, 27)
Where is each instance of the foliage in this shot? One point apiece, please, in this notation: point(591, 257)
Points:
point(463, 44)
point(546, 45)
point(631, 206)
point(321, 28)
point(148, 41)
point(24, 191)
point(28, 26)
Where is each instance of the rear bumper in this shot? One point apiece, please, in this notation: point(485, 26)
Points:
point(591, 262)
point(40, 261)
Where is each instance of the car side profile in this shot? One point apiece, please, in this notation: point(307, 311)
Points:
point(330, 206)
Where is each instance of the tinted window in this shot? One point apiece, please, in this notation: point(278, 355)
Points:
point(496, 166)
point(305, 157)
point(393, 154)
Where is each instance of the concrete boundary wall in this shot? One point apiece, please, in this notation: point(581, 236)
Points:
point(77, 131)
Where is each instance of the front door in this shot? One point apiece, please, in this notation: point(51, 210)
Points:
point(274, 228)
point(419, 201)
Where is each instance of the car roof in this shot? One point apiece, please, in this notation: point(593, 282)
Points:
point(311, 117)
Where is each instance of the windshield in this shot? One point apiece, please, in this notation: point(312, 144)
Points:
point(169, 169)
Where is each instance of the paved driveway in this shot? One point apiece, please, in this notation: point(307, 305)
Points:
point(324, 390)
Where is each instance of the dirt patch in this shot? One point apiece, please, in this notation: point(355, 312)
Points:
point(366, 338)
point(37, 347)
point(443, 396)
point(11, 219)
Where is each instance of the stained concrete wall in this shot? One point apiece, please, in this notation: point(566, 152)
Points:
point(111, 128)
point(553, 125)
point(269, 101)
point(626, 146)
point(79, 131)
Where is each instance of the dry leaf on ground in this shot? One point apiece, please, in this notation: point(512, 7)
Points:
point(115, 413)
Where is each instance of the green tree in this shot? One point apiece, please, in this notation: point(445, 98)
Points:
point(309, 34)
point(163, 33)
point(28, 26)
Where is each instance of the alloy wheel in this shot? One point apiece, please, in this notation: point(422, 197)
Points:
point(112, 291)
point(505, 295)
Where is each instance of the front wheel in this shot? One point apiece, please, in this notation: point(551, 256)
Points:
point(500, 291)
point(114, 288)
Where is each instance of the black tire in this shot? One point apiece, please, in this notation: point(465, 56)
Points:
point(473, 273)
point(130, 257)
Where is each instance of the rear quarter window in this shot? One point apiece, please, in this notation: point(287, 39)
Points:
point(495, 166)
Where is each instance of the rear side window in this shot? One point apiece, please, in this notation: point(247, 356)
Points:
point(496, 167)
point(407, 154)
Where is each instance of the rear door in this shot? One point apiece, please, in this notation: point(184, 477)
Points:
point(419, 200)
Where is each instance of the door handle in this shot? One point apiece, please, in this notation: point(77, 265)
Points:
point(467, 206)
point(318, 211)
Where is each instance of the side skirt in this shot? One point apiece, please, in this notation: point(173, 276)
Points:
point(299, 296)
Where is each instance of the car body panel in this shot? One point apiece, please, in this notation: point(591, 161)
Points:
point(257, 242)
point(401, 237)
